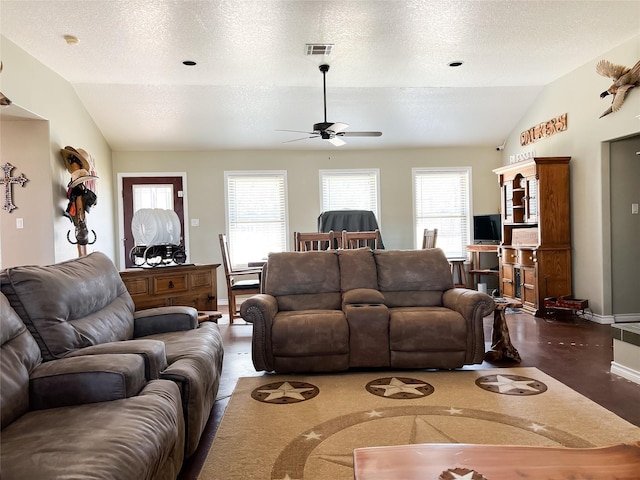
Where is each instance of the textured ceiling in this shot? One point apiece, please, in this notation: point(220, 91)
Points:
point(389, 66)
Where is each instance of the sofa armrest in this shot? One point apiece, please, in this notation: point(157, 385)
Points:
point(473, 306)
point(260, 310)
point(153, 353)
point(163, 320)
point(362, 296)
point(469, 303)
point(86, 379)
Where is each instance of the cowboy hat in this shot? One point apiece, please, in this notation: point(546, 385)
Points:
point(79, 176)
point(75, 159)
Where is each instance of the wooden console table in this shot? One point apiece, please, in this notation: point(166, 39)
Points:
point(475, 267)
point(495, 462)
point(191, 285)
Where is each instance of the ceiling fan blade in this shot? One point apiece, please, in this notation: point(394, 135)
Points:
point(303, 138)
point(336, 141)
point(359, 134)
point(337, 127)
point(296, 131)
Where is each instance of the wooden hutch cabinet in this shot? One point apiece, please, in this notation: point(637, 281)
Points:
point(535, 254)
point(190, 285)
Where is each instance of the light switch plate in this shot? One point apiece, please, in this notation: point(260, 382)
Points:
point(19, 223)
point(195, 222)
point(634, 208)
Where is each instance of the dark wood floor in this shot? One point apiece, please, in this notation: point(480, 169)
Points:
point(576, 352)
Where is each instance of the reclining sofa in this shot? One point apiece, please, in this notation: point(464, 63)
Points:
point(334, 310)
point(78, 315)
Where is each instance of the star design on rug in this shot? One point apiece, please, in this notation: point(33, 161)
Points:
point(399, 388)
point(373, 413)
point(454, 411)
point(312, 436)
point(511, 385)
point(537, 427)
point(285, 392)
point(461, 474)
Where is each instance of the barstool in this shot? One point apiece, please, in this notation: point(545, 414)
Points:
point(458, 272)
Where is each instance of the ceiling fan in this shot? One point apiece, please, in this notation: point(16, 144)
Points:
point(330, 131)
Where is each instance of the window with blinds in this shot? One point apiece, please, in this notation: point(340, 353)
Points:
point(442, 200)
point(350, 190)
point(256, 214)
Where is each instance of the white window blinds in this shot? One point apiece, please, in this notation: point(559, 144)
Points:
point(256, 214)
point(442, 200)
point(350, 190)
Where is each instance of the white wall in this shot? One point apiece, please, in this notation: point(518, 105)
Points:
point(578, 95)
point(34, 87)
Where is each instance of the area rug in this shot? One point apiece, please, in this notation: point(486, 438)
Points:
point(294, 427)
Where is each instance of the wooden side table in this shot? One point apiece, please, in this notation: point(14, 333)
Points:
point(501, 346)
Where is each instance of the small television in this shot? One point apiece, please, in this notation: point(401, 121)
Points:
point(487, 229)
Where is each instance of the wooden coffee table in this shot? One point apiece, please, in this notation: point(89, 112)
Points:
point(495, 462)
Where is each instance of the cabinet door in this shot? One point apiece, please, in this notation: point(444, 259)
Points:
point(529, 292)
point(507, 193)
point(506, 280)
point(531, 197)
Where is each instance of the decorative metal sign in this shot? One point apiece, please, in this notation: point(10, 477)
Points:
point(8, 182)
point(544, 129)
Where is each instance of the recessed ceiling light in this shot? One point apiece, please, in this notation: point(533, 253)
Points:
point(189, 63)
point(71, 40)
point(457, 63)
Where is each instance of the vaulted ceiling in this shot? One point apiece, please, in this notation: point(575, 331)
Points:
point(389, 65)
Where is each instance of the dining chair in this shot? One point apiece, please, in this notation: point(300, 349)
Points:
point(235, 287)
point(306, 241)
point(429, 238)
point(369, 239)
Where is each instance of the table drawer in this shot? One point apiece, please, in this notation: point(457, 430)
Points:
point(137, 286)
point(170, 284)
point(201, 279)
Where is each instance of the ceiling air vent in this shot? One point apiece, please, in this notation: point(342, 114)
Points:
point(319, 48)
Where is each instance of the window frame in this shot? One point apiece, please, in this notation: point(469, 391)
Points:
point(417, 232)
point(336, 172)
point(235, 174)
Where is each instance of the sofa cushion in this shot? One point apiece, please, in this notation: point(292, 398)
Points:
point(402, 270)
point(20, 356)
point(71, 304)
point(295, 273)
point(427, 329)
point(357, 269)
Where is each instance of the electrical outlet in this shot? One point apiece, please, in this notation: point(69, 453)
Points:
point(195, 222)
point(634, 208)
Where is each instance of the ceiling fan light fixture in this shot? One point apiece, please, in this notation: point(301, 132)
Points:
point(319, 48)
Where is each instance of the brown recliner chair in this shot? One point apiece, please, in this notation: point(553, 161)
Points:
point(76, 416)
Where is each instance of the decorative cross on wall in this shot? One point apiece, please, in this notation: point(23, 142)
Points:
point(8, 181)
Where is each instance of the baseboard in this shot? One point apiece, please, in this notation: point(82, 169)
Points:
point(602, 319)
point(627, 317)
point(625, 372)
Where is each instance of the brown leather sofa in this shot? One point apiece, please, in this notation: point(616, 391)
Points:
point(83, 417)
point(340, 309)
point(81, 309)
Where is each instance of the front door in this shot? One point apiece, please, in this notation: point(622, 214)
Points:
point(150, 192)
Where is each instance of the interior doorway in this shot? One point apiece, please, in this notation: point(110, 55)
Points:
point(164, 191)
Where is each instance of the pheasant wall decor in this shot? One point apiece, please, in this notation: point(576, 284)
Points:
point(624, 79)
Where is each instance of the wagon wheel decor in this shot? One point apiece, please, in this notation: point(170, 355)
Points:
point(8, 182)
